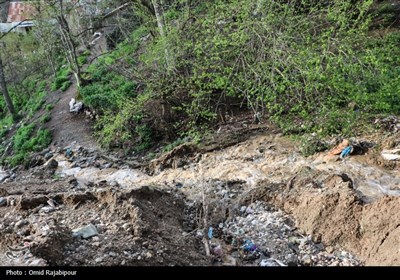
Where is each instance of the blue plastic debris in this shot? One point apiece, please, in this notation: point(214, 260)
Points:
point(346, 152)
point(249, 246)
point(210, 232)
point(68, 152)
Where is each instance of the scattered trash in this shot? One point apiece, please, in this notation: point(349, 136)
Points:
point(85, 232)
point(46, 209)
point(51, 203)
point(271, 262)
point(68, 153)
point(391, 155)
point(210, 233)
point(267, 262)
point(249, 246)
point(346, 152)
point(249, 210)
point(75, 107)
point(339, 149)
point(217, 250)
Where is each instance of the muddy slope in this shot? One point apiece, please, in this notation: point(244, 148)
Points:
point(142, 227)
point(327, 207)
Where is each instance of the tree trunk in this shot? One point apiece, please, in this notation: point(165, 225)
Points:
point(161, 27)
point(70, 48)
point(3, 89)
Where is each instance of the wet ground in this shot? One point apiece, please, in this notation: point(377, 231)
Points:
point(258, 202)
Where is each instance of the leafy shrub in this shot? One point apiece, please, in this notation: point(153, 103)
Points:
point(26, 140)
point(65, 85)
point(49, 107)
point(45, 118)
point(61, 79)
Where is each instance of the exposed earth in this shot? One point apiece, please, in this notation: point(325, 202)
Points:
point(246, 197)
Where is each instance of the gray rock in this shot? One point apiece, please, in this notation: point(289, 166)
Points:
point(46, 209)
point(38, 262)
point(85, 232)
point(3, 201)
point(306, 259)
point(268, 262)
point(291, 260)
point(52, 164)
point(48, 155)
point(21, 223)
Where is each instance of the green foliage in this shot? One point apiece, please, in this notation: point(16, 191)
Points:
point(65, 85)
point(27, 140)
point(172, 145)
point(311, 145)
point(34, 103)
point(45, 118)
point(5, 124)
point(301, 64)
point(145, 135)
point(116, 100)
point(82, 59)
point(49, 107)
point(62, 79)
point(271, 55)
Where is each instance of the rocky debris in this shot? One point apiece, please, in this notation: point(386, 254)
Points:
point(336, 202)
point(3, 201)
point(175, 159)
point(164, 226)
point(390, 123)
point(51, 164)
point(135, 227)
point(85, 232)
point(262, 236)
point(391, 155)
point(4, 175)
point(36, 160)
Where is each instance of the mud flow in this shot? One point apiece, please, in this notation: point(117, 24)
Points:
point(256, 203)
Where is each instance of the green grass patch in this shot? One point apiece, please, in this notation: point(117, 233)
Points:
point(27, 140)
point(45, 118)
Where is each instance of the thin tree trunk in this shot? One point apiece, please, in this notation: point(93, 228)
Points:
point(70, 48)
point(4, 90)
point(161, 27)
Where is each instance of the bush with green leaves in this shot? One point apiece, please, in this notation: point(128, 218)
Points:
point(45, 118)
point(27, 140)
point(285, 62)
point(61, 81)
point(301, 64)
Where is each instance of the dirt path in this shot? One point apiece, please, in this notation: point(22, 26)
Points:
point(67, 127)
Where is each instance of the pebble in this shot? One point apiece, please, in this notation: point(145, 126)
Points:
point(3, 201)
point(306, 259)
point(329, 249)
point(21, 223)
point(85, 232)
